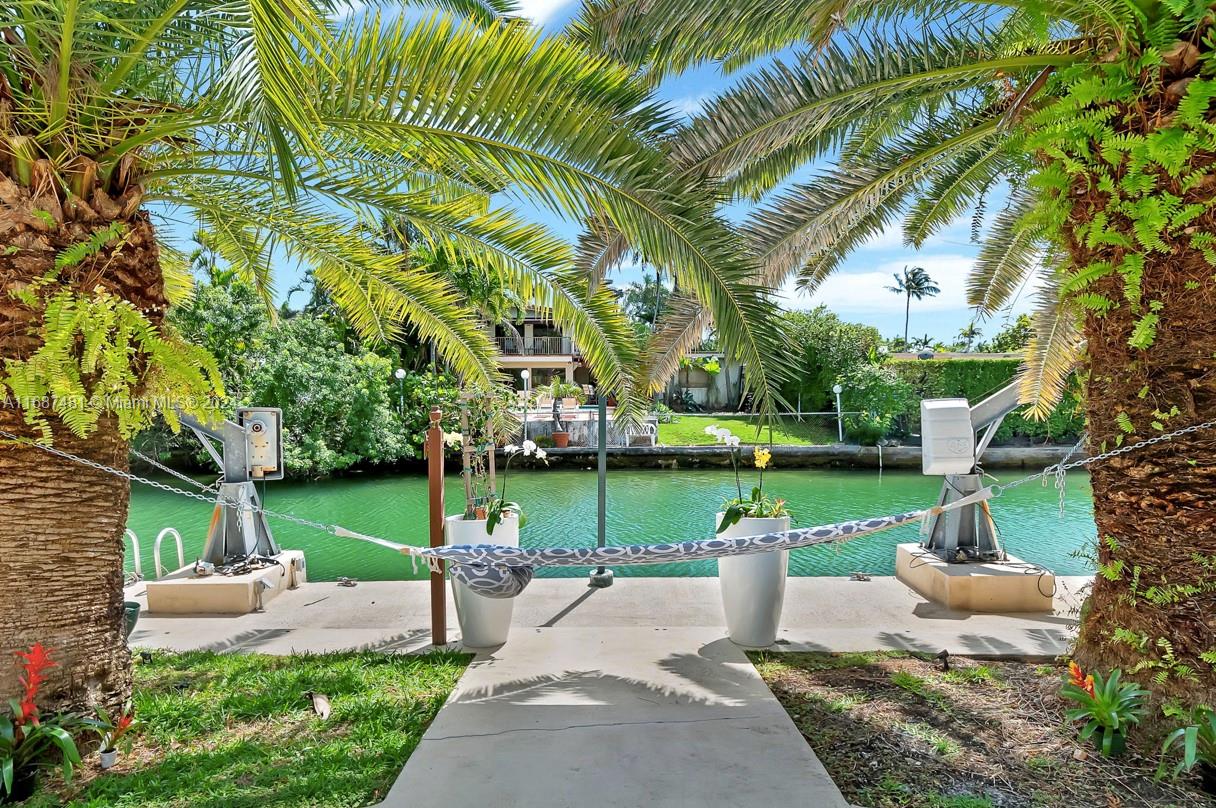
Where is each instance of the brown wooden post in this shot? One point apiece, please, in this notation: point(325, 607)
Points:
point(434, 455)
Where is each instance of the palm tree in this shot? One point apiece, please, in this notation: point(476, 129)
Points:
point(281, 132)
point(1090, 123)
point(969, 334)
point(913, 282)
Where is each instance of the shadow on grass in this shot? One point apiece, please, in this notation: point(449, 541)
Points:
point(239, 730)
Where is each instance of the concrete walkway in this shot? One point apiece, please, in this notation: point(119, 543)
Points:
point(821, 614)
point(615, 717)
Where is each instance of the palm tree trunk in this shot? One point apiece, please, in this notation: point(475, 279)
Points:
point(61, 535)
point(62, 523)
point(907, 317)
point(1156, 507)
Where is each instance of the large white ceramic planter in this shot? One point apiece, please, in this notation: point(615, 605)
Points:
point(753, 586)
point(484, 622)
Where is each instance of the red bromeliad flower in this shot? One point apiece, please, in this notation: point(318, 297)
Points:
point(1077, 677)
point(34, 663)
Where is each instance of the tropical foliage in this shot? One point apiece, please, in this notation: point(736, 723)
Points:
point(1086, 124)
point(913, 282)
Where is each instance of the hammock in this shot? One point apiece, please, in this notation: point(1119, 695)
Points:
point(497, 571)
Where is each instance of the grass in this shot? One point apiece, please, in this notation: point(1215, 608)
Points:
point(238, 730)
point(896, 731)
point(689, 430)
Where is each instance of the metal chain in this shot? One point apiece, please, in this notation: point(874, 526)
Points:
point(215, 499)
point(214, 487)
point(1061, 467)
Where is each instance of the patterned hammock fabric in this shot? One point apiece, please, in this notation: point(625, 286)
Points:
point(495, 571)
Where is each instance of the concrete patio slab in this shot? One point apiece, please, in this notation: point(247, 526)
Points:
point(821, 614)
point(612, 717)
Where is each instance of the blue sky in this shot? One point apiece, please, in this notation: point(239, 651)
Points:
point(857, 292)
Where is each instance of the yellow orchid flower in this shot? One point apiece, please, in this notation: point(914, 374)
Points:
point(762, 457)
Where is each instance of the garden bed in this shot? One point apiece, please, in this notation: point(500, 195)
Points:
point(895, 730)
point(239, 730)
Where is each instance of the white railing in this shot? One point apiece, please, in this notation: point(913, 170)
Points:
point(181, 555)
point(139, 564)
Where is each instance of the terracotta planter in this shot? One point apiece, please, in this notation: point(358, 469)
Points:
point(561, 439)
point(753, 586)
point(484, 622)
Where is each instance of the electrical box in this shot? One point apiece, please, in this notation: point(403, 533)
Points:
point(947, 436)
point(264, 441)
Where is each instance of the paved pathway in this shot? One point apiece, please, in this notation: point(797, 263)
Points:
point(613, 717)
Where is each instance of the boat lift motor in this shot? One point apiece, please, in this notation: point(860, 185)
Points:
point(250, 449)
point(951, 446)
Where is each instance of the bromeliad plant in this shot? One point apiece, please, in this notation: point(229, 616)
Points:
point(757, 506)
point(115, 733)
point(27, 738)
point(1107, 705)
point(1197, 738)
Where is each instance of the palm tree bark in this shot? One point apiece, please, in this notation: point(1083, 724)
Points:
point(62, 523)
point(1156, 507)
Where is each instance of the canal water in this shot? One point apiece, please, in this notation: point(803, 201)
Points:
point(643, 506)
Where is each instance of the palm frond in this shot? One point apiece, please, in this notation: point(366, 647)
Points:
point(1012, 251)
point(1052, 353)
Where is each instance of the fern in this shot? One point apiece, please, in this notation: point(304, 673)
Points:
point(78, 252)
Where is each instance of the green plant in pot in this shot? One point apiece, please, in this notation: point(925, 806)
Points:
point(1197, 741)
point(1107, 705)
point(30, 740)
point(115, 734)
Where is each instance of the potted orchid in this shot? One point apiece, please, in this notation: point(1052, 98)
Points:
point(753, 586)
point(486, 622)
point(28, 739)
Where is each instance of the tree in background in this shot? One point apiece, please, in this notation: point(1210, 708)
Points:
point(823, 348)
point(913, 282)
point(1012, 338)
point(644, 302)
point(1098, 116)
point(967, 336)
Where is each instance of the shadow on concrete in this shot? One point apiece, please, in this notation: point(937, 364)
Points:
point(416, 640)
point(587, 688)
point(247, 640)
point(579, 601)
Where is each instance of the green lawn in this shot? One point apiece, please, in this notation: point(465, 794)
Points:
point(689, 430)
point(238, 730)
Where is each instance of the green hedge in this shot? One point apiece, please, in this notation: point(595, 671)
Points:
point(974, 379)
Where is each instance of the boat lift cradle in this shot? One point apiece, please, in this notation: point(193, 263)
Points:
point(250, 449)
point(952, 446)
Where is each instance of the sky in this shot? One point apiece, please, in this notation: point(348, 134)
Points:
point(858, 290)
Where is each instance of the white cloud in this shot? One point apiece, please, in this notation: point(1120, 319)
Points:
point(690, 105)
point(541, 10)
point(867, 293)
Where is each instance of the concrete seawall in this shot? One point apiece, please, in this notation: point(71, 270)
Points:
point(832, 456)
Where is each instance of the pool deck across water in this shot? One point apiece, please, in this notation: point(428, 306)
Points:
point(625, 696)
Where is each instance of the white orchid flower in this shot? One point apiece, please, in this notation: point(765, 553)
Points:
point(529, 447)
point(510, 449)
point(453, 438)
point(541, 454)
point(712, 429)
point(724, 435)
point(732, 440)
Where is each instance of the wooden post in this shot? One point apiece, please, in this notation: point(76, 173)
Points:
point(434, 455)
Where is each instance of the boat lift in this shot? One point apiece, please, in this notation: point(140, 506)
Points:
point(954, 435)
point(249, 449)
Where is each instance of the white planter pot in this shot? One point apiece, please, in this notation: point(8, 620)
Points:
point(753, 586)
point(484, 622)
point(108, 758)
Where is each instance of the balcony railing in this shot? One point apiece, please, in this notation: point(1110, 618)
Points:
point(547, 346)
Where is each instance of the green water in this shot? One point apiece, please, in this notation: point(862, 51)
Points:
point(644, 506)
